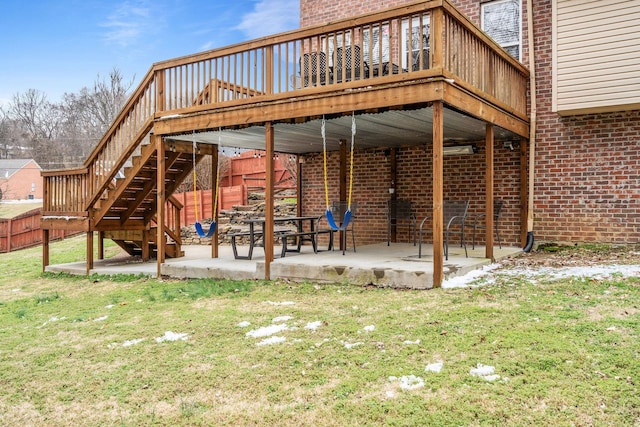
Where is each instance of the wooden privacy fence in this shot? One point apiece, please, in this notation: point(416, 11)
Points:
point(23, 231)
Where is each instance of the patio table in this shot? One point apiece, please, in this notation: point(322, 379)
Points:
point(256, 234)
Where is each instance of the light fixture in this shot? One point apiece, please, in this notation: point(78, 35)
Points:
point(453, 150)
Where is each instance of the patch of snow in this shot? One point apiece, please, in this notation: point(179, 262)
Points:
point(485, 372)
point(281, 319)
point(468, 279)
point(281, 303)
point(272, 340)
point(370, 328)
point(172, 336)
point(267, 330)
point(596, 271)
point(313, 325)
point(109, 306)
point(407, 342)
point(409, 382)
point(101, 319)
point(132, 342)
point(243, 324)
point(434, 367)
point(553, 273)
point(349, 345)
point(52, 319)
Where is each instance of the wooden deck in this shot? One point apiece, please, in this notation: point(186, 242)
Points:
point(425, 54)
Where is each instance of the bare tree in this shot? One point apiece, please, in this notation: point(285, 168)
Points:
point(89, 113)
point(39, 122)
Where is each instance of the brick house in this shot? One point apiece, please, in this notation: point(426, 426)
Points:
point(558, 142)
point(587, 156)
point(20, 179)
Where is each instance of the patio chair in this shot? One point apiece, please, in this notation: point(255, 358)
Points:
point(309, 68)
point(400, 215)
point(352, 65)
point(454, 217)
point(478, 222)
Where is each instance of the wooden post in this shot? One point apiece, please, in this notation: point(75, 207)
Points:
point(524, 191)
point(489, 141)
point(299, 194)
point(100, 244)
point(267, 238)
point(89, 265)
point(392, 185)
point(145, 244)
point(215, 186)
point(160, 187)
point(45, 249)
point(343, 186)
point(438, 180)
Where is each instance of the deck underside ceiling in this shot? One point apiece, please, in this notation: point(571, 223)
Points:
point(390, 129)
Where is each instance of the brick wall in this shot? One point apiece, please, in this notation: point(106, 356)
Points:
point(19, 185)
point(463, 176)
point(587, 179)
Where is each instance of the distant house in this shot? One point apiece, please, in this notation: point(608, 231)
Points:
point(20, 179)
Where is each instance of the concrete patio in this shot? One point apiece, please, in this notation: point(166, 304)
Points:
point(396, 266)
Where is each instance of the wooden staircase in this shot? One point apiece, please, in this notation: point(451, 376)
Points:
point(115, 193)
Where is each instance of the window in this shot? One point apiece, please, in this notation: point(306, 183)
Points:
point(502, 21)
point(418, 39)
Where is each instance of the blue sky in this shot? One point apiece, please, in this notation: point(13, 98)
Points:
point(59, 46)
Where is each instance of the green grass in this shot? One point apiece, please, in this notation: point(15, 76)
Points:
point(89, 351)
point(10, 210)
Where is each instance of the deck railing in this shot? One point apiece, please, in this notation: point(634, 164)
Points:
point(427, 39)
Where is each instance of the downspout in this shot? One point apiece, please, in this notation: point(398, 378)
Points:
point(532, 126)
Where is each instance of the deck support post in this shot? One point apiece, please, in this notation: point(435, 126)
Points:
point(393, 196)
point(89, 264)
point(45, 249)
point(438, 168)
point(160, 187)
point(215, 185)
point(267, 238)
point(489, 142)
point(100, 244)
point(343, 186)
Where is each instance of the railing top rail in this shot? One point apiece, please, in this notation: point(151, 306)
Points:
point(58, 172)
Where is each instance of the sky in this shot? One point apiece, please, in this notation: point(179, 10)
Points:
point(61, 46)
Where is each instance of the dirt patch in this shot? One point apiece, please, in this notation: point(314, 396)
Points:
point(576, 256)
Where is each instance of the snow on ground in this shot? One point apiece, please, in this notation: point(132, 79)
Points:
point(281, 319)
point(272, 340)
point(267, 330)
point(434, 367)
point(280, 303)
point(408, 382)
point(313, 325)
point(482, 277)
point(172, 336)
point(485, 372)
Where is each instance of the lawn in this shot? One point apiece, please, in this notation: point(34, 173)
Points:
point(523, 347)
point(10, 210)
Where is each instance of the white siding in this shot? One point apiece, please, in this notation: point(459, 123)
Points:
point(596, 58)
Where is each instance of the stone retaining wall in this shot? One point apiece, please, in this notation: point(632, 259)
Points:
point(231, 221)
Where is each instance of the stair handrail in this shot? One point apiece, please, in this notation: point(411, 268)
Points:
point(127, 131)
